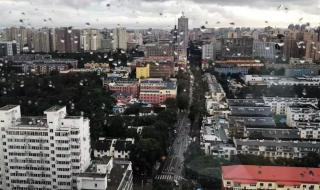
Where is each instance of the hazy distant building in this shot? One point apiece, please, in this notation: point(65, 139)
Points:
point(9, 48)
point(237, 47)
point(183, 29)
point(264, 50)
point(67, 40)
point(158, 50)
point(208, 52)
point(17, 34)
point(39, 40)
point(120, 38)
point(90, 40)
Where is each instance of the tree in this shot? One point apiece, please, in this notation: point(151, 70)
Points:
point(115, 127)
point(144, 155)
point(168, 115)
point(183, 101)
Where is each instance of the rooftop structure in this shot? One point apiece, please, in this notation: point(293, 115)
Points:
point(269, 177)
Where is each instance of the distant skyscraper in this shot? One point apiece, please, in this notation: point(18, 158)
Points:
point(67, 40)
point(183, 29)
point(90, 40)
point(120, 38)
point(17, 34)
point(38, 40)
point(9, 48)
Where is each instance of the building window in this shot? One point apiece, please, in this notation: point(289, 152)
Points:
point(95, 185)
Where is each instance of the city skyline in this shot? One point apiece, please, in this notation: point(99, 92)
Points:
point(162, 14)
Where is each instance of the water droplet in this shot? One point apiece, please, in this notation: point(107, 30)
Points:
point(203, 28)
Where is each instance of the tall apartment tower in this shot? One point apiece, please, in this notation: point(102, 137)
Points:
point(183, 28)
point(120, 38)
point(90, 40)
point(17, 34)
point(9, 48)
point(43, 152)
point(67, 40)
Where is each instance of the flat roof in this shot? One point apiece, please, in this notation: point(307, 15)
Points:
point(280, 174)
point(54, 108)
point(7, 107)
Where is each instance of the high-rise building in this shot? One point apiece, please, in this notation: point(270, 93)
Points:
point(39, 40)
point(19, 35)
point(264, 50)
point(90, 40)
point(183, 29)
point(237, 47)
point(120, 38)
point(42, 152)
point(208, 52)
point(67, 40)
point(9, 48)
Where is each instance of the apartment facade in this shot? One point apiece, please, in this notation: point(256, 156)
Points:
point(44, 152)
point(157, 91)
point(123, 86)
point(239, 177)
point(276, 148)
point(279, 105)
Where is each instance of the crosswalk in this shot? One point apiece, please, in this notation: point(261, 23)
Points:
point(168, 177)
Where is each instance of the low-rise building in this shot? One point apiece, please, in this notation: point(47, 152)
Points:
point(122, 86)
point(117, 148)
point(279, 105)
point(281, 81)
point(157, 91)
point(106, 174)
point(101, 67)
point(216, 91)
point(276, 148)
point(300, 113)
point(240, 177)
point(143, 71)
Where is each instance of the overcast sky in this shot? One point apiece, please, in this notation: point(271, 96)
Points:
point(157, 13)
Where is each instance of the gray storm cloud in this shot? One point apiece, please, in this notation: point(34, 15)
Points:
point(146, 13)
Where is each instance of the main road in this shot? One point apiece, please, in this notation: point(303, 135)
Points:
point(173, 167)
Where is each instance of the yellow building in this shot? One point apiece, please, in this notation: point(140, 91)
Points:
point(143, 71)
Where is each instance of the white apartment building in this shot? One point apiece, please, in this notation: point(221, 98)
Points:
point(43, 152)
point(276, 148)
point(216, 91)
point(90, 39)
point(120, 38)
point(106, 173)
point(116, 148)
point(279, 105)
point(208, 52)
point(308, 129)
point(281, 81)
point(301, 113)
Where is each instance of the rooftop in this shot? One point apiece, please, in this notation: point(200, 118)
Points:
point(245, 102)
point(118, 172)
point(7, 107)
point(250, 111)
point(289, 144)
point(103, 144)
point(282, 175)
point(54, 108)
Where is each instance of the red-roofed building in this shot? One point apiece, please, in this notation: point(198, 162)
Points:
point(270, 177)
